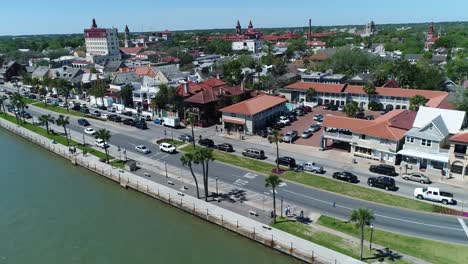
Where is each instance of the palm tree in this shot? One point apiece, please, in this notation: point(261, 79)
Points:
point(64, 121)
point(98, 90)
point(273, 181)
point(64, 89)
point(47, 119)
point(3, 98)
point(18, 102)
point(276, 137)
point(191, 121)
point(105, 135)
point(351, 109)
point(187, 159)
point(362, 217)
point(370, 90)
point(203, 156)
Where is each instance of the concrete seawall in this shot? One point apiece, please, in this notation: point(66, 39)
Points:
point(249, 228)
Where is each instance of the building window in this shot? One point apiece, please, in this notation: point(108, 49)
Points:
point(362, 150)
point(233, 115)
point(456, 168)
point(409, 139)
point(437, 165)
point(460, 149)
point(410, 160)
point(363, 137)
point(426, 143)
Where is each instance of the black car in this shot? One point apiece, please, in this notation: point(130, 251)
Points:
point(96, 113)
point(101, 107)
point(345, 176)
point(206, 142)
point(384, 169)
point(286, 161)
point(76, 107)
point(25, 114)
point(84, 110)
point(333, 108)
point(141, 125)
point(114, 118)
point(127, 113)
point(292, 118)
point(360, 115)
point(129, 122)
point(83, 122)
point(225, 147)
point(32, 96)
point(382, 182)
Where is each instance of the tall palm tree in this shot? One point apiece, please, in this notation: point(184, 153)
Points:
point(18, 102)
point(98, 90)
point(105, 135)
point(47, 119)
point(64, 121)
point(370, 90)
point(276, 137)
point(3, 98)
point(362, 217)
point(64, 89)
point(191, 121)
point(187, 160)
point(203, 156)
point(273, 181)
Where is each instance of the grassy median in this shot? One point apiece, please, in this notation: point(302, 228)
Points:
point(429, 250)
point(58, 109)
point(327, 184)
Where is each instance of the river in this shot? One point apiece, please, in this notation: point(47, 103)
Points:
point(53, 212)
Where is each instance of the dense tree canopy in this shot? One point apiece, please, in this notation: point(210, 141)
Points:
point(351, 62)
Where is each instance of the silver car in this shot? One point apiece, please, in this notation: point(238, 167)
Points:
point(417, 177)
point(307, 133)
point(290, 136)
point(142, 149)
point(315, 127)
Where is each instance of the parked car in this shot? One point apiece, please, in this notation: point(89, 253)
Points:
point(345, 176)
point(76, 107)
point(128, 122)
point(434, 194)
point(62, 104)
point(142, 149)
point(384, 169)
point(104, 116)
point(318, 117)
point(310, 166)
point(299, 112)
point(83, 122)
point(360, 115)
point(326, 107)
point(32, 96)
point(292, 118)
point(25, 114)
point(225, 147)
point(286, 161)
point(333, 108)
point(284, 120)
point(158, 121)
point(112, 109)
point(369, 117)
point(307, 134)
point(114, 118)
point(341, 108)
point(96, 113)
point(166, 147)
point(186, 137)
point(84, 110)
point(206, 142)
point(101, 107)
point(290, 136)
point(89, 131)
point(127, 113)
point(314, 127)
point(101, 143)
point(382, 182)
point(417, 177)
point(141, 125)
point(254, 153)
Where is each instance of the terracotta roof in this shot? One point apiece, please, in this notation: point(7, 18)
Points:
point(460, 137)
point(233, 121)
point(233, 90)
point(214, 82)
point(193, 88)
point(319, 87)
point(203, 97)
point(391, 84)
point(130, 50)
point(254, 105)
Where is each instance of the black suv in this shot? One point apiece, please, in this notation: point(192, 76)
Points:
point(83, 122)
point(129, 122)
point(84, 110)
point(141, 125)
point(114, 117)
point(345, 176)
point(206, 142)
point(382, 182)
point(286, 161)
point(225, 147)
point(388, 170)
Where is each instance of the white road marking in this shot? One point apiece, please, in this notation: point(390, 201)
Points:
point(250, 175)
point(462, 223)
point(283, 184)
point(240, 182)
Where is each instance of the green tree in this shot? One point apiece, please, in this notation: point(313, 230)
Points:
point(64, 89)
point(275, 138)
point(191, 122)
point(362, 217)
point(460, 99)
point(457, 70)
point(187, 160)
point(64, 121)
point(351, 109)
point(219, 46)
point(204, 156)
point(417, 101)
point(127, 95)
point(18, 102)
point(99, 90)
point(351, 62)
point(105, 135)
point(3, 99)
point(370, 90)
point(273, 181)
point(46, 120)
point(311, 94)
point(161, 99)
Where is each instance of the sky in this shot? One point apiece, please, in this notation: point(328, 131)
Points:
point(23, 17)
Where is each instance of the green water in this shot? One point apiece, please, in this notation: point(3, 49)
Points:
point(52, 212)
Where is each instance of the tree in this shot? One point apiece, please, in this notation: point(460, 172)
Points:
point(362, 217)
point(18, 102)
point(161, 99)
point(43, 92)
point(417, 101)
point(276, 137)
point(105, 135)
point(370, 90)
point(203, 156)
point(460, 99)
point(99, 90)
point(64, 88)
point(273, 181)
point(126, 94)
point(351, 62)
point(187, 160)
point(3, 98)
point(219, 46)
point(310, 94)
point(64, 121)
point(191, 121)
point(457, 70)
point(351, 109)
point(46, 120)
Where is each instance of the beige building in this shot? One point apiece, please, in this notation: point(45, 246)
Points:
point(458, 156)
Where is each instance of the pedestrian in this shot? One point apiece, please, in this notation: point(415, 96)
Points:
point(221, 130)
point(216, 127)
point(301, 215)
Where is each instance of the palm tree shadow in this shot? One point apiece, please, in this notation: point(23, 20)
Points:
point(385, 254)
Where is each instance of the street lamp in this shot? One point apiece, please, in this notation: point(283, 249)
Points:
point(84, 141)
point(281, 206)
point(216, 180)
point(371, 235)
point(165, 165)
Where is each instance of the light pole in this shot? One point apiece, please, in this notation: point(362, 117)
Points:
point(216, 180)
point(125, 154)
point(165, 165)
point(281, 206)
point(120, 152)
point(84, 141)
point(371, 235)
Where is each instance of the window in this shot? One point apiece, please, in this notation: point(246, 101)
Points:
point(460, 149)
point(409, 139)
point(425, 142)
point(363, 137)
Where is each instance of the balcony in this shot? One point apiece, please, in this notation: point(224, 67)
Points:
point(338, 136)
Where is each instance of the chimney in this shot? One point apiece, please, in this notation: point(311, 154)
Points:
point(310, 29)
point(186, 88)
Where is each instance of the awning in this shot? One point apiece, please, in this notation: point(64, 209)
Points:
point(234, 121)
point(424, 155)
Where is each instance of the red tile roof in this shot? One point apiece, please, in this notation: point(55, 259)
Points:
point(460, 137)
point(319, 87)
point(203, 97)
point(214, 82)
point(193, 88)
point(131, 50)
point(254, 105)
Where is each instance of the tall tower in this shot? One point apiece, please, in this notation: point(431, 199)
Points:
point(127, 37)
point(238, 28)
point(94, 25)
point(430, 31)
point(250, 26)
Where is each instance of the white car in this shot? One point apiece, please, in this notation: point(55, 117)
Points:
point(142, 149)
point(284, 120)
point(104, 116)
point(166, 147)
point(90, 131)
point(101, 143)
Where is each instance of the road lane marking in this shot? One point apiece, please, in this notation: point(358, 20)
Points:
point(250, 175)
point(240, 182)
point(383, 216)
point(462, 223)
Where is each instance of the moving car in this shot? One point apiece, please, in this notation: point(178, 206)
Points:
point(186, 137)
point(141, 125)
point(345, 176)
point(129, 122)
point(206, 142)
point(225, 147)
point(306, 134)
point(417, 177)
point(382, 182)
point(434, 194)
point(384, 169)
point(158, 121)
point(166, 147)
point(310, 166)
point(286, 161)
point(101, 143)
point(90, 131)
point(254, 153)
point(83, 122)
point(142, 149)
point(290, 136)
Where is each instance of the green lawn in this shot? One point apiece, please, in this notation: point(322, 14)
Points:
point(432, 251)
point(58, 109)
point(325, 239)
point(176, 143)
point(331, 185)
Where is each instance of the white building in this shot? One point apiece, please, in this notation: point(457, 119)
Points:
point(249, 45)
point(102, 44)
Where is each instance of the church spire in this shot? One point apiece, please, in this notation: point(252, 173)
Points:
point(250, 25)
point(94, 25)
point(238, 28)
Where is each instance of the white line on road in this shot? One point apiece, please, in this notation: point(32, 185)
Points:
point(462, 223)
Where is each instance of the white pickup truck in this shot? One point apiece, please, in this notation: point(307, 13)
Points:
point(434, 194)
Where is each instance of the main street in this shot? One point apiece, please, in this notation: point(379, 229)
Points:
point(432, 226)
